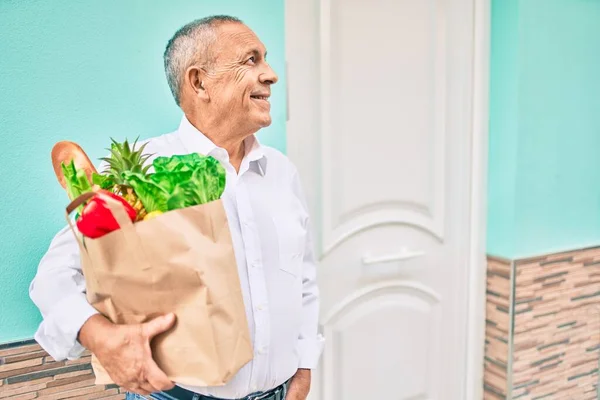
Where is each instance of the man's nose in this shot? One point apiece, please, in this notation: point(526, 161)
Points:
point(269, 76)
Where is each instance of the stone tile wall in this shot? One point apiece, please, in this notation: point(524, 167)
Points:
point(28, 372)
point(497, 328)
point(552, 318)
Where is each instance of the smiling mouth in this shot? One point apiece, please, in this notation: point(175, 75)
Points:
point(265, 98)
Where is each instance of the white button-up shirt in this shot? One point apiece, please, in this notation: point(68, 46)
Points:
point(269, 225)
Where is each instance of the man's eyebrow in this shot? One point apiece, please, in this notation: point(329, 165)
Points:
point(255, 52)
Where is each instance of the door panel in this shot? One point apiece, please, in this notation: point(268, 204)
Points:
point(384, 80)
point(383, 332)
point(390, 191)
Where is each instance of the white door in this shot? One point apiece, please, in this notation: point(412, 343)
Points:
point(381, 115)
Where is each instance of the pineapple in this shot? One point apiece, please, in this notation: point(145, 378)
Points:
point(125, 158)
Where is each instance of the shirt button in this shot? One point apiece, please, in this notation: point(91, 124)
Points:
point(260, 307)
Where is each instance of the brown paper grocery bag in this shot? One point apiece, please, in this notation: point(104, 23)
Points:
point(183, 262)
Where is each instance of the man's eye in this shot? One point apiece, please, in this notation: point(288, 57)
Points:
point(251, 60)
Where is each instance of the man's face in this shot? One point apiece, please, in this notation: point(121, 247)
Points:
point(239, 83)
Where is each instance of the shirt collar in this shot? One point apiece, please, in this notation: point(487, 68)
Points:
point(195, 141)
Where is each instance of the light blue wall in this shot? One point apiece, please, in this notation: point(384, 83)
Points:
point(544, 172)
point(504, 111)
point(84, 71)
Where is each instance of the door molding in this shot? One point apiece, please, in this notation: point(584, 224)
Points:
point(303, 24)
point(477, 266)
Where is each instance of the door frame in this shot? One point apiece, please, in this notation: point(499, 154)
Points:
point(303, 23)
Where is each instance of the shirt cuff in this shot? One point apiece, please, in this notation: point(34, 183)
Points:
point(310, 352)
point(58, 332)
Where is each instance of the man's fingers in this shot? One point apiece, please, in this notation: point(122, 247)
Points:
point(157, 377)
point(148, 388)
point(138, 390)
point(158, 325)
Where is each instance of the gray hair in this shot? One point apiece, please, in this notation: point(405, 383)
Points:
point(191, 45)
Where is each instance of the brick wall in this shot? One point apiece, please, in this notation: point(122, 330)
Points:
point(28, 372)
point(497, 327)
point(550, 312)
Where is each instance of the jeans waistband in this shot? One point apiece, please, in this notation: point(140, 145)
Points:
point(179, 393)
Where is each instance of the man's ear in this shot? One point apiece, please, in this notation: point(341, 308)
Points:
point(195, 78)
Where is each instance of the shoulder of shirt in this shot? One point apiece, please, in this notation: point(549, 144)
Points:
point(162, 141)
point(163, 145)
point(156, 145)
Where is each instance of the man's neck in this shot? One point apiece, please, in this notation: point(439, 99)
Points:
point(225, 137)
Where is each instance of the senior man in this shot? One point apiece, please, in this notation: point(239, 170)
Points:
point(218, 73)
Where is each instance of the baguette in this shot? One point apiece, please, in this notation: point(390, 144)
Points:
point(64, 152)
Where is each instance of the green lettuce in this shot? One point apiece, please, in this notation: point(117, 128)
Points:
point(186, 162)
point(179, 181)
point(104, 181)
point(170, 180)
point(152, 195)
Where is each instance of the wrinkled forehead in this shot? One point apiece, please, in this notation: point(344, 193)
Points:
point(235, 40)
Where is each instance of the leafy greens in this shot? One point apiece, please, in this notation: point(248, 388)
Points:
point(76, 180)
point(178, 181)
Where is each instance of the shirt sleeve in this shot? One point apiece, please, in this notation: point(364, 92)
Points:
point(311, 342)
point(58, 290)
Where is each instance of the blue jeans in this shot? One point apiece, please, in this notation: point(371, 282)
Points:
point(158, 396)
point(164, 396)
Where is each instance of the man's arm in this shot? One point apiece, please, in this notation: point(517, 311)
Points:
point(58, 290)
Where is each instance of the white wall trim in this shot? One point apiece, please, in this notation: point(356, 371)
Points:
point(479, 156)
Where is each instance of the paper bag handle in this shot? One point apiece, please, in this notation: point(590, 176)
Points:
point(79, 201)
point(70, 208)
point(117, 209)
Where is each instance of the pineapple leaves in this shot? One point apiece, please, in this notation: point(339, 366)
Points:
point(125, 158)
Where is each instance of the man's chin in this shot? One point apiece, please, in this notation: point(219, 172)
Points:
point(258, 121)
point(264, 121)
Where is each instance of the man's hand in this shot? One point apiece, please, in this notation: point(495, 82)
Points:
point(124, 351)
point(299, 386)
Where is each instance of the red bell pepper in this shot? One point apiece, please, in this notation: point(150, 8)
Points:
point(97, 220)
